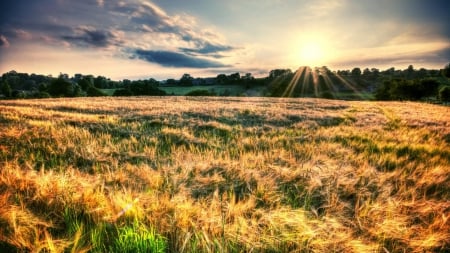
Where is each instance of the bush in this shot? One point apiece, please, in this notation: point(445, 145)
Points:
point(327, 95)
point(444, 94)
point(42, 94)
point(122, 93)
point(94, 92)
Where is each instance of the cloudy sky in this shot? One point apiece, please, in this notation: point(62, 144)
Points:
point(166, 38)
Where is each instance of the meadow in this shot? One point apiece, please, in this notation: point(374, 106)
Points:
point(210, 174)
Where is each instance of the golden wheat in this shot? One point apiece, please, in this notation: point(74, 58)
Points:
point(225, 174)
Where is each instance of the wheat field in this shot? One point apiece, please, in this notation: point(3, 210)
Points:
point(208, 174)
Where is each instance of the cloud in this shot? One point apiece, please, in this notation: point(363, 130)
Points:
point(208, 48)
point(3, 41)
point(168, 39)
point(436, 52)
point(90, 36)
point(175, 59)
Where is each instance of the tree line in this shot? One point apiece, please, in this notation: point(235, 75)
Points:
point(389, 84)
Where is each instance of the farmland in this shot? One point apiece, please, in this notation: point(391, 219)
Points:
point(210, 174)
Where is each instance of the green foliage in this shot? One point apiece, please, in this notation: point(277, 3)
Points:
point(356, 72)
point(446, 70)
point(402, 89)
point(6, 89)
point(137, 238)
point(444, 94)
point(61, 87)
point(94, 92)
point(186, 80)
point(327, 95)
point(122, 93)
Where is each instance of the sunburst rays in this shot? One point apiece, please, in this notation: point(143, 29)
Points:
point(317, 82)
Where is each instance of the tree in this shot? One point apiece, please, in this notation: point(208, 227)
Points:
point(410, 72)
point(356, 72)
point(94, 92)
point(444, 94)
point(366, 72)
point(186, 80)
point(236, 77)
point(447, 70)
point(85, 83)
point(61, 87)
point(122, 93)
point(222, 79)
point(429, 87)
point(278, 72)
point(100, 82)
point(6, 89)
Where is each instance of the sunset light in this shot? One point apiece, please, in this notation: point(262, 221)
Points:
point(165, 39)
point(312, 54)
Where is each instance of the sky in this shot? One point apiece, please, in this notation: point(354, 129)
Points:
point(139, 39)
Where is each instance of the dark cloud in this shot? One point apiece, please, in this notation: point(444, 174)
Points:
point(208, 48)
point(118, 25)
point(175, 59)
point(92, 37)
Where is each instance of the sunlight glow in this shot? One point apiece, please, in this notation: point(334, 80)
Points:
point(311, 49)
point(311, 53)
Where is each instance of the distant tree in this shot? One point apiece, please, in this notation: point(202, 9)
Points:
point(222, 79)
point(61, 87)
point(278, 72)
point(18, 94)
point(356, 72)
point(94, 92)
point(422, 73)
point(447, 70)
point(171, 82)
point(6, 89)
point(122, 93)
point(327, 95)
point(366, 72)
point(428, 87)
point(100, 82)
point(248, 76)
point(444, 94)
point(42, 94)
point(186, 80)
point(85, 83)
point(77, 91)
point(43, 87)
point(409, 72)
point(236, 77)
point(375, 72)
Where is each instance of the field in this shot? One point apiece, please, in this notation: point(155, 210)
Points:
point(229, 90)
point(179, 174)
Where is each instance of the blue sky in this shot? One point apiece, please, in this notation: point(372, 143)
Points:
point(166, 38)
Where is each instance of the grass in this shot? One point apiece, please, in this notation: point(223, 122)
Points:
point(180, 174)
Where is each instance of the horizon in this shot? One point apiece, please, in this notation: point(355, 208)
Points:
point(139, 39)
point(265, 75)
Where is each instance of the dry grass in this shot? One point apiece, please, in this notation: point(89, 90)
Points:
point(223, 175)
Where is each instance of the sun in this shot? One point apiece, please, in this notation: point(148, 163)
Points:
point(311, 54)
point(312, 49)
